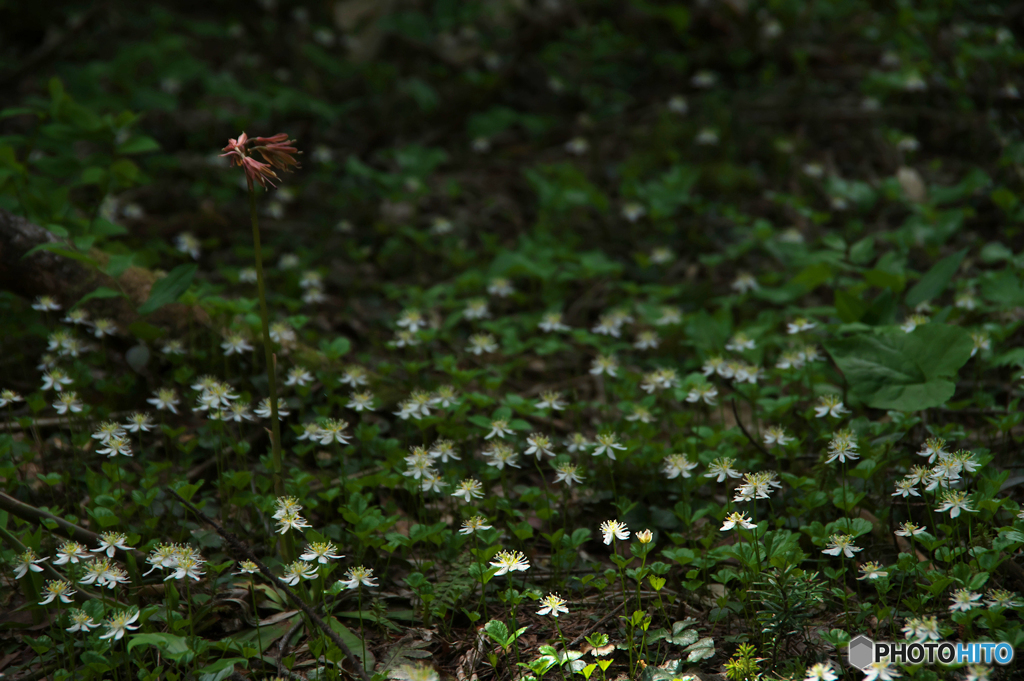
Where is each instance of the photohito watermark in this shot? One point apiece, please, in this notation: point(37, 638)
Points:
point(862, 651)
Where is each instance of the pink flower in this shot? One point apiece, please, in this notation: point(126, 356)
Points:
point(276, 151)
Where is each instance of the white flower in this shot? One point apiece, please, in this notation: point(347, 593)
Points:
point(909, 529)
point(68, 401)
point(922, 629)
point(321, 552)
point(799, 324)
point(880, 671)
point(263, 409)
point(872, 570)
point(707, 137)
point(633, 211)
point(963, 600)
point(119, 623)
point(499, 428)
point(604, 365)
point(501, 455)
point(550, 400)
point(981, 342)
point(111, 541)
point(821, 671)
point(473, 525)
point(676, 465)
point(614, 529)
point(704, 79)
point(722, 469)
point(298, 376)
point(955, 501)
point(58, 589)
point(72, 552)
point(9, 397)
point(669, 315)
point(411, 320)
point(552, 604)
point(139, 421)
point(164, 398)
point(310, 431)
point(81, 621)
point(510, 561)
point(291, 521)
point(297, 571)
point(646, 340)
point(539, 444)
point(476, 309)
point(677, 104)
point(552, 321)
point(841, 543)
point(55, 379)
point(469, 489)
point(187, 243)
point(736, 518)
point(354, 376)
point(830, 405)
point(740, 342)
point(703, 393)
point(744, 283)
point(479, 343)
point(235, 344)
point(776, 435)
point(577, 145)
point(444, 449)
point(501, 287)
point(607, 444)
point(567, 473)
point(333, 430)
point(577, 442)
point(906, 488)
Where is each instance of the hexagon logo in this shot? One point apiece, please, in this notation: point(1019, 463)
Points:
point(860, 652)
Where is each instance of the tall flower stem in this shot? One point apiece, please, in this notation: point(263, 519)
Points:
point(267, 351)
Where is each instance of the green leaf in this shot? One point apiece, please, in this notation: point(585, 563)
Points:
point(335, 348)
point(813, 276)
point(883, 279)
point(117, 264)
point(104, 227)
point(170, 645)
point(170, 288)
point(850, 307)
point(935, 279)
point(61, 250)
point(498, 632)
point(138, 144)
point(906, 372)
point(99, 292)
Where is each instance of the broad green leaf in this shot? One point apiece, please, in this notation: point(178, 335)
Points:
point(906, 372)
point(138, 144)
point(170, 645)
point(935, 279)
point(61, 250)
point(100, 292)
point(170, 288)
point(850, 307)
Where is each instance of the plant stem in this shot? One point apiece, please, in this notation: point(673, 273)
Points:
point(269, 356)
